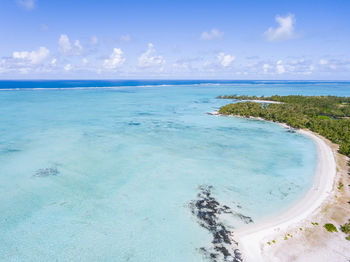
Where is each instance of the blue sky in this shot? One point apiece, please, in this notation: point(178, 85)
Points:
point(192, 39)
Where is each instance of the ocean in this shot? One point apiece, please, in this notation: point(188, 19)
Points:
point(112, 170)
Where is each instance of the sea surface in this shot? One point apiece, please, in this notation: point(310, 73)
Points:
point(109, 170)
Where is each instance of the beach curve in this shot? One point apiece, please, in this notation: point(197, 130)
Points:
point(251, 238)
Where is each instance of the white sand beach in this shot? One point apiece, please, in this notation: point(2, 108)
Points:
point(269, 240)
point(262, 101)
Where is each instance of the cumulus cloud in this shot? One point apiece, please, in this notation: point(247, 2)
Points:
point(64, 44)
point(299, 61)
point(27, 4)
point(78, 45)
point(25, 61)
point(149, 59)
point(53, 61)
point(212, 34)
point(280, 67)
point(266, 68)
point(225, 60)
point(293, 66)
point(326, 64)
point(181, 66)
point(334, 64)
point(66, 48)
point(323, 62)
point(67, 67)
point(115, 60)
point(33, 57)
point(284, 31)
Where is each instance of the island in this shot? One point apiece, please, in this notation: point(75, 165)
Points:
point(318, 226)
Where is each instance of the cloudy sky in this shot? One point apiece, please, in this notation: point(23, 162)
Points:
point(179, 39)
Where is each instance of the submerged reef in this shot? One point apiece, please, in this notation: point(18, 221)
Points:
point(9, 150)
point(132, 123)
point(207, 210)
point(44, 172)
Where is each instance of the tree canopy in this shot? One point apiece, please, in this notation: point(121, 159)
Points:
point(328, 116)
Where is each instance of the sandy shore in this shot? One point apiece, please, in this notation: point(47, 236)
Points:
point(291, 236)
point(298, 235)
point(263, 101)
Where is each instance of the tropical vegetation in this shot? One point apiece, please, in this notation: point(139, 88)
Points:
point(330, 227)
point(328, 116)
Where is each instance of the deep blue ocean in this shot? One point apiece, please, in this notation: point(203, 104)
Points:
point(107, 170)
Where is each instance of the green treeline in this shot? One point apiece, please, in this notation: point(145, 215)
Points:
point(328, 116)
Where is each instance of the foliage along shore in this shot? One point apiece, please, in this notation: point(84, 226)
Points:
point(328, 116)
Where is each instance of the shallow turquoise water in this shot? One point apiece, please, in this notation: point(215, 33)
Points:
point(129, 162)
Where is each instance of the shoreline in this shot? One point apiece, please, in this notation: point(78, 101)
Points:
point(262, 101)
point(253, 240)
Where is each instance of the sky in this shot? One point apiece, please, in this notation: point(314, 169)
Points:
point(178, 39)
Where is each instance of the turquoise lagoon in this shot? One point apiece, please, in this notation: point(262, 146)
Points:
point(105, 170)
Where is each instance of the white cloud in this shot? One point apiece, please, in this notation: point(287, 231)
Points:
point(241, 73)
point(53, 61)
point(291, 66)
point(181, 66)
point(64, 44)
point(78, 45)
point(66, 48)
point(334, 64)
point(125, 38)
point(298, 61)
point(284, 31)
point(266, 68)
point(85, 61)
point(115, 60)
point(24, 70)
point(212, 34)
point(207, 63)
point(24, 62)
point(33, 57)
point(326, 64)
point(148, 59)
point(323, 62)
point(67, 67)
point(280, 67)
point(27, 4)
point(225, 60)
